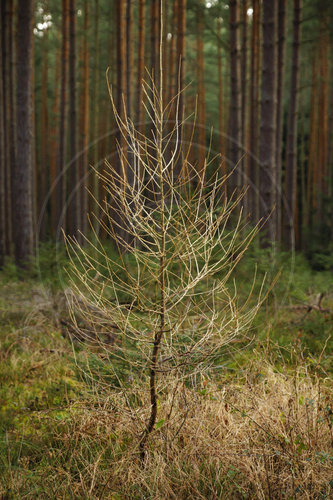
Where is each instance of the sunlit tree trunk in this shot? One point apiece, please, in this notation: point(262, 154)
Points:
point(22, 179)
point(267, 152)
point(291, 157)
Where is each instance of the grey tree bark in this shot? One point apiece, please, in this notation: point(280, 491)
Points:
point(22, 180)
point(267, 147)
point(291, 157)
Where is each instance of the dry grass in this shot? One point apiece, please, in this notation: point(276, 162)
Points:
point(261, 434)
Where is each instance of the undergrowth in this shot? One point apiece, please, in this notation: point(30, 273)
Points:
point(259, 427)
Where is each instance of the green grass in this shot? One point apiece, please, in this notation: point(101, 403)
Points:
point(65, 434)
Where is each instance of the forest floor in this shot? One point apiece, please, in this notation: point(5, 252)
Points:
point(261, 427)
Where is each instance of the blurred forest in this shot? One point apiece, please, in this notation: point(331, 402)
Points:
point(258, 76)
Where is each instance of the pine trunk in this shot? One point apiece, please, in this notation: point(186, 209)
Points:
point(141, 65)
point(2, 155)
point(254, 115)
point(180, 74)
point(44, 132)
point(61, 162)
point(243, 166)
point(220, 96)
point(74, 207)
point(235, 97)
point(201, 112)
point(22, 185)
point(267, 151)
point(291, 157)
point(282, 17)
point(85, 123)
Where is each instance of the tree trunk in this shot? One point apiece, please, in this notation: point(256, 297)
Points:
point(74, 206)
point(129, 55)
point(267, 153)
point(95, 111)
point(254, 115)
point(2, 155)
point(201, 112)
point(220, 96)
point(243, 166)
point(282, 17)
point(180, 75)
point(291, 160)
point(235, 97)
point(54, 136)
point(44, 133)
point(85, 123)
point(10, 117)
point(22, 185)
point(61, 162)
point(141, 65)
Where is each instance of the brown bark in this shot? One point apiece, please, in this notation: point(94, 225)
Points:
point(243, 71)
point(74, 207)
point(141, 65)
point(254, 115)
point(235, 97)
point(22, 186)
point(129, 55)
point(95, 111)
point(267, 153)
point(10, 116)
point(54, 135)
point(61, 160)
point(165, 50)
point(282, 18)
point(291, 159)
point(312, 163)
point(201, 112)
point(330, 135)
point(180, 72)
point(2, 154)
point(85, 122)
point(172, 54)
point(154, 45)
point(44, 157)
point(322, 150)
point(220, 96)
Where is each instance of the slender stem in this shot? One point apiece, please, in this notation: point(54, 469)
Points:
point(161, 276)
